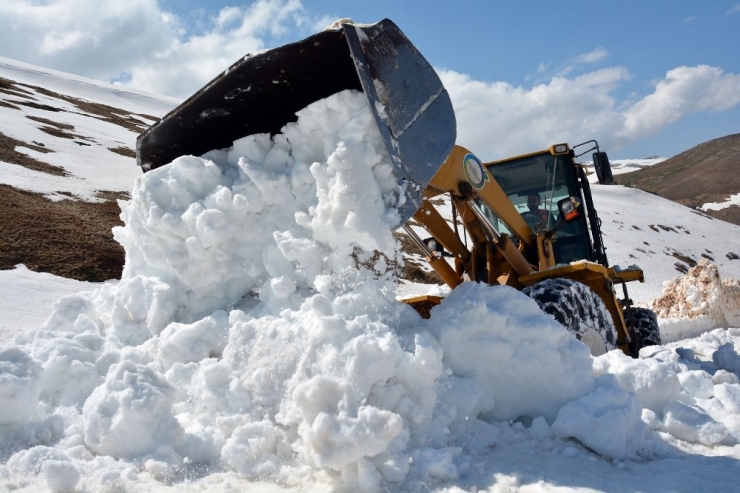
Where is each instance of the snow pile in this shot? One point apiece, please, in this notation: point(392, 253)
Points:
point(697, 302)
point(255, 332)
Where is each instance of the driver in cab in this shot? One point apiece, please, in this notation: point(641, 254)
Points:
point(533, 204)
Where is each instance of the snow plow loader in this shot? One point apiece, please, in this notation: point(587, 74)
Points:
point(554, 252)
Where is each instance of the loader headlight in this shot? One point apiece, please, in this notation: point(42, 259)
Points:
point(560, 148)
point(569, 208)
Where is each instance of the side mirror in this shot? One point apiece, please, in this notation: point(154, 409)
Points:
point(569, 209)
point(436, 247)
point(603, 168)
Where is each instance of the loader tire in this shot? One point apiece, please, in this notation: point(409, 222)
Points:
point(646, 326)
point(579, 310)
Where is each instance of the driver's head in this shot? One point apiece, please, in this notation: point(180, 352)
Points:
point(533, 202)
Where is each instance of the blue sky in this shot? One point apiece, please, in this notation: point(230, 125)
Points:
point(644, 77)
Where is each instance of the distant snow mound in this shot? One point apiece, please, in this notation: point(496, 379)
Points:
point(698, 301)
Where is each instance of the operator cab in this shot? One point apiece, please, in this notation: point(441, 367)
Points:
point(535, 184)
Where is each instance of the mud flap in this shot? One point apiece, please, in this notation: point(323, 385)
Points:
point(261, 93)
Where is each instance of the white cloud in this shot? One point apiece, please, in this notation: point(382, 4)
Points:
point(735, 9)
point(498, 119)
point(574, 64)
point(593, 56)
point(684, 90)
point(87, 37)
point(184, 66)
point(139, 43)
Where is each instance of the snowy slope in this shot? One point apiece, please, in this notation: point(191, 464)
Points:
point(318, 380)
point(620, 166)
point(87, 130)
point(125, 98)
point(654, 233)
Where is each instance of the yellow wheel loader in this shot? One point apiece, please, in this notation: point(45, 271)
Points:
point(553, 252)
point(530, 223)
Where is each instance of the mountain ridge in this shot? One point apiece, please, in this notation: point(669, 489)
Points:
point(706, 173)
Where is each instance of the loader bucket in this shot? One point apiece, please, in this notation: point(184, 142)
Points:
point(261, 93)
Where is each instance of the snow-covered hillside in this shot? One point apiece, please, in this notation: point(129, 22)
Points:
point(620, 166)
point(51, 126)
point(318, 379)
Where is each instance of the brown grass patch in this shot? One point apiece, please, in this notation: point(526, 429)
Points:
point(130, 121)
point(61, 126)
point(5, 104)
point(9, 87)
point(38, 106)
point(10, 155)
point(68, 238)
point(148, 117)
point(57, 132)
point(123, 151)
point(100, 111)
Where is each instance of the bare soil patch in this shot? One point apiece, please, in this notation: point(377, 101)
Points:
point(10, 155)
point(5, 104)
point(123, 151)
point(9, 87)
point(61, 126)
point(68, 238)
point(38, 106)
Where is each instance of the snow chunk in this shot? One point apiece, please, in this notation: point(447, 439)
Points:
point(692, 424)
point(131, 413)
point(185, 343)
point(252, 449)
point(61, 476)
point(654, 382)
point(337, 432)
point(608, 421)
point(727, 358)
point(69, 361)
point(493, 335)
point(20, 386)
point(697, 383)
point(724, 376)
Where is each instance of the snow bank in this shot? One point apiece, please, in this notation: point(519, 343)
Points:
point(255, 332)
point(697, 302)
